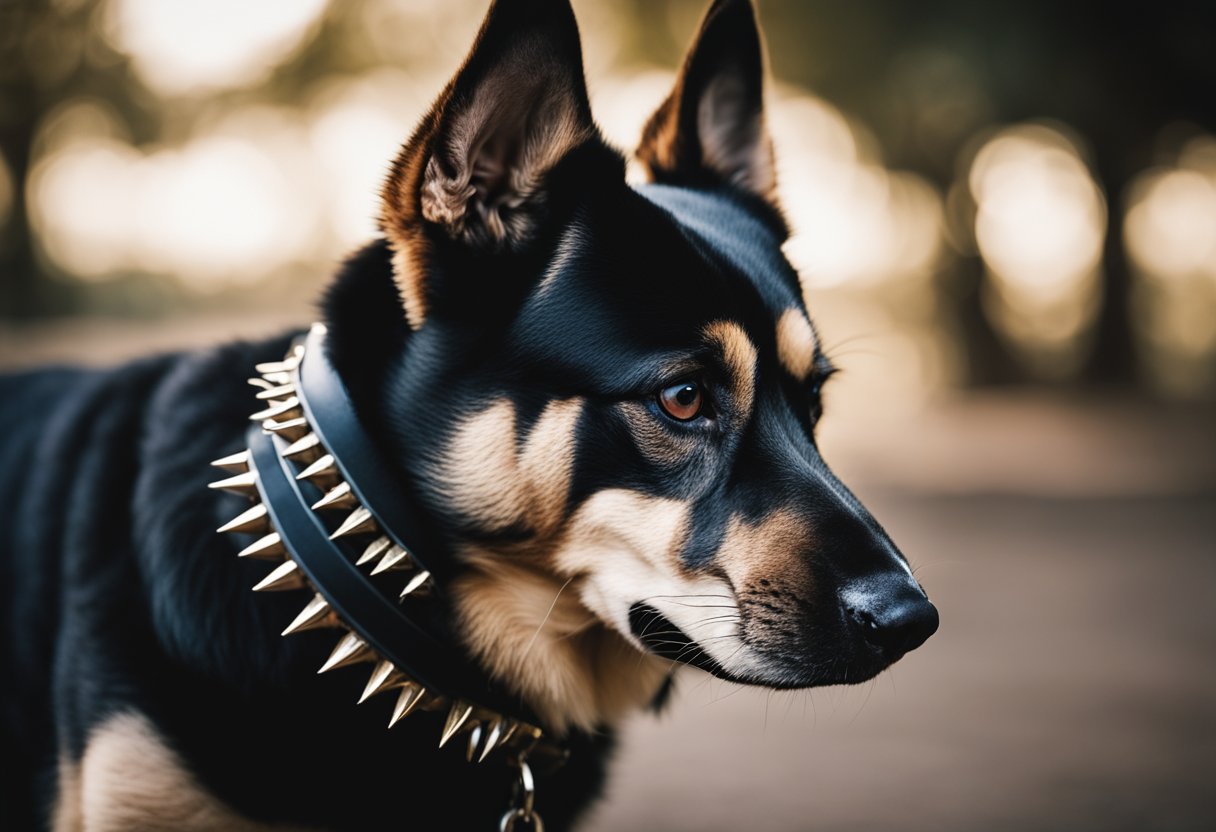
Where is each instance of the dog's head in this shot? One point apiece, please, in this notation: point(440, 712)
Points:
point(609, 397)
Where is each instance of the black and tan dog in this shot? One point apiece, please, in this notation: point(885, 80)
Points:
point(604, 399)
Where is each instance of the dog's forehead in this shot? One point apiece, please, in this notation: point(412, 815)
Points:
point(654, 276)
point(731, 233)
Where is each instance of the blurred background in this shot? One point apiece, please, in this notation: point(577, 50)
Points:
point(1005, 217)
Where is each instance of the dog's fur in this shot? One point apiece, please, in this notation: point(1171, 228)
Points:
point(506, 343)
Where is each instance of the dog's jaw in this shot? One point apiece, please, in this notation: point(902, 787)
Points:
point(531, 631)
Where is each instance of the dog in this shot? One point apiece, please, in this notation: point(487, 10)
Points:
point(602, 399)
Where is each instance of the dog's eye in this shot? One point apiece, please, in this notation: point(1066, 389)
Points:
point(682, 401)
point(815, 392)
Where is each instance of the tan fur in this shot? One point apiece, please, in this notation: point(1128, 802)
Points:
point(550, 134)
point(740, 356)
point(624, 546)
point(531, 631)
point(770, 549)
point(129, 779)
point(527, 101)
point(409, 281)
point(766, 563)
point(528, 626)
point(662, 447)
point(65, 816)
point(487, 481)
point(658, 150)
point(795, 343)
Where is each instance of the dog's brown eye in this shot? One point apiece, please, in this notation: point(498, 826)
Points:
point(682, 401)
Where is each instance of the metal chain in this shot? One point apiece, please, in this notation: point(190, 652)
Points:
point(523, 796)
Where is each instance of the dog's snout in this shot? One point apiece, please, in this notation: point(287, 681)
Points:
point(895, 619)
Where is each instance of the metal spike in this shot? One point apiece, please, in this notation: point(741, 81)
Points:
point(284, 366)
point(359, 521)
point(474, 741)
point(277, 379)
point(385, 676)
point(287, 409)
point(269, 547)
point(324, 472)
point(305, 449)
point(279, 392)
point(457, 717)
point(350, 650)
point(316, 615)
point(291, 430)
point(338, 497)
point(286, 575)
point(395, 558)
point(495, 734)
point(237, 463)
point(246, 483)
point(373, 550)
point(253, 521)
point(419, 584)
point(409, 699)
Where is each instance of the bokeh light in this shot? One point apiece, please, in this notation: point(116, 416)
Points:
point(253, 140)
point(215, 210)
point(1170, 234)
point(184, 46)
point(356, 126)
point(6, 192)
point(1039, 224)
point(853, 220)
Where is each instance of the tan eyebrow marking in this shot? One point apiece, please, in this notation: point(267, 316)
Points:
point(795, 342)
point(740, 355)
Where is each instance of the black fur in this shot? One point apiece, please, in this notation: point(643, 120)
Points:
point(120, 597)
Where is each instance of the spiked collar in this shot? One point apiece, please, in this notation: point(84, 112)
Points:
point(326, 508)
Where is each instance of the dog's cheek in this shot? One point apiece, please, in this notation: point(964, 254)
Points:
point(621, 544)
point(489, 482)
point(546, 464)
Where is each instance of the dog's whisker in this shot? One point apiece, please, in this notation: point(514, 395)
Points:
point(545, 620)
point(704, 606)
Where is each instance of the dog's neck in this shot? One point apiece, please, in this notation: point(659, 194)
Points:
point(520, 623)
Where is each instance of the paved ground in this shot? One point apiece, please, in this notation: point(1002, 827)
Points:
point(1071, 547)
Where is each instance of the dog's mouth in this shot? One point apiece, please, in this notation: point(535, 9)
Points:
point(661, 636)
point(664, 638)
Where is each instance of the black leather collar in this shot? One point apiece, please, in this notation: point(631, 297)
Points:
point(330, 509)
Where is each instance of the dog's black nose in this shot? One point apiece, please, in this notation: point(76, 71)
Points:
point(894, 616)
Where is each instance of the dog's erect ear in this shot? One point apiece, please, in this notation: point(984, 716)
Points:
point(475, 169)
point(711, 130)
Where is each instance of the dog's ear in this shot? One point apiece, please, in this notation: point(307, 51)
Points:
point(711, 129)
point(475, 170)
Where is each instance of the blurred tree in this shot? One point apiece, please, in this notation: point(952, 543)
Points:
point(50, 52)
point(928, 75)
